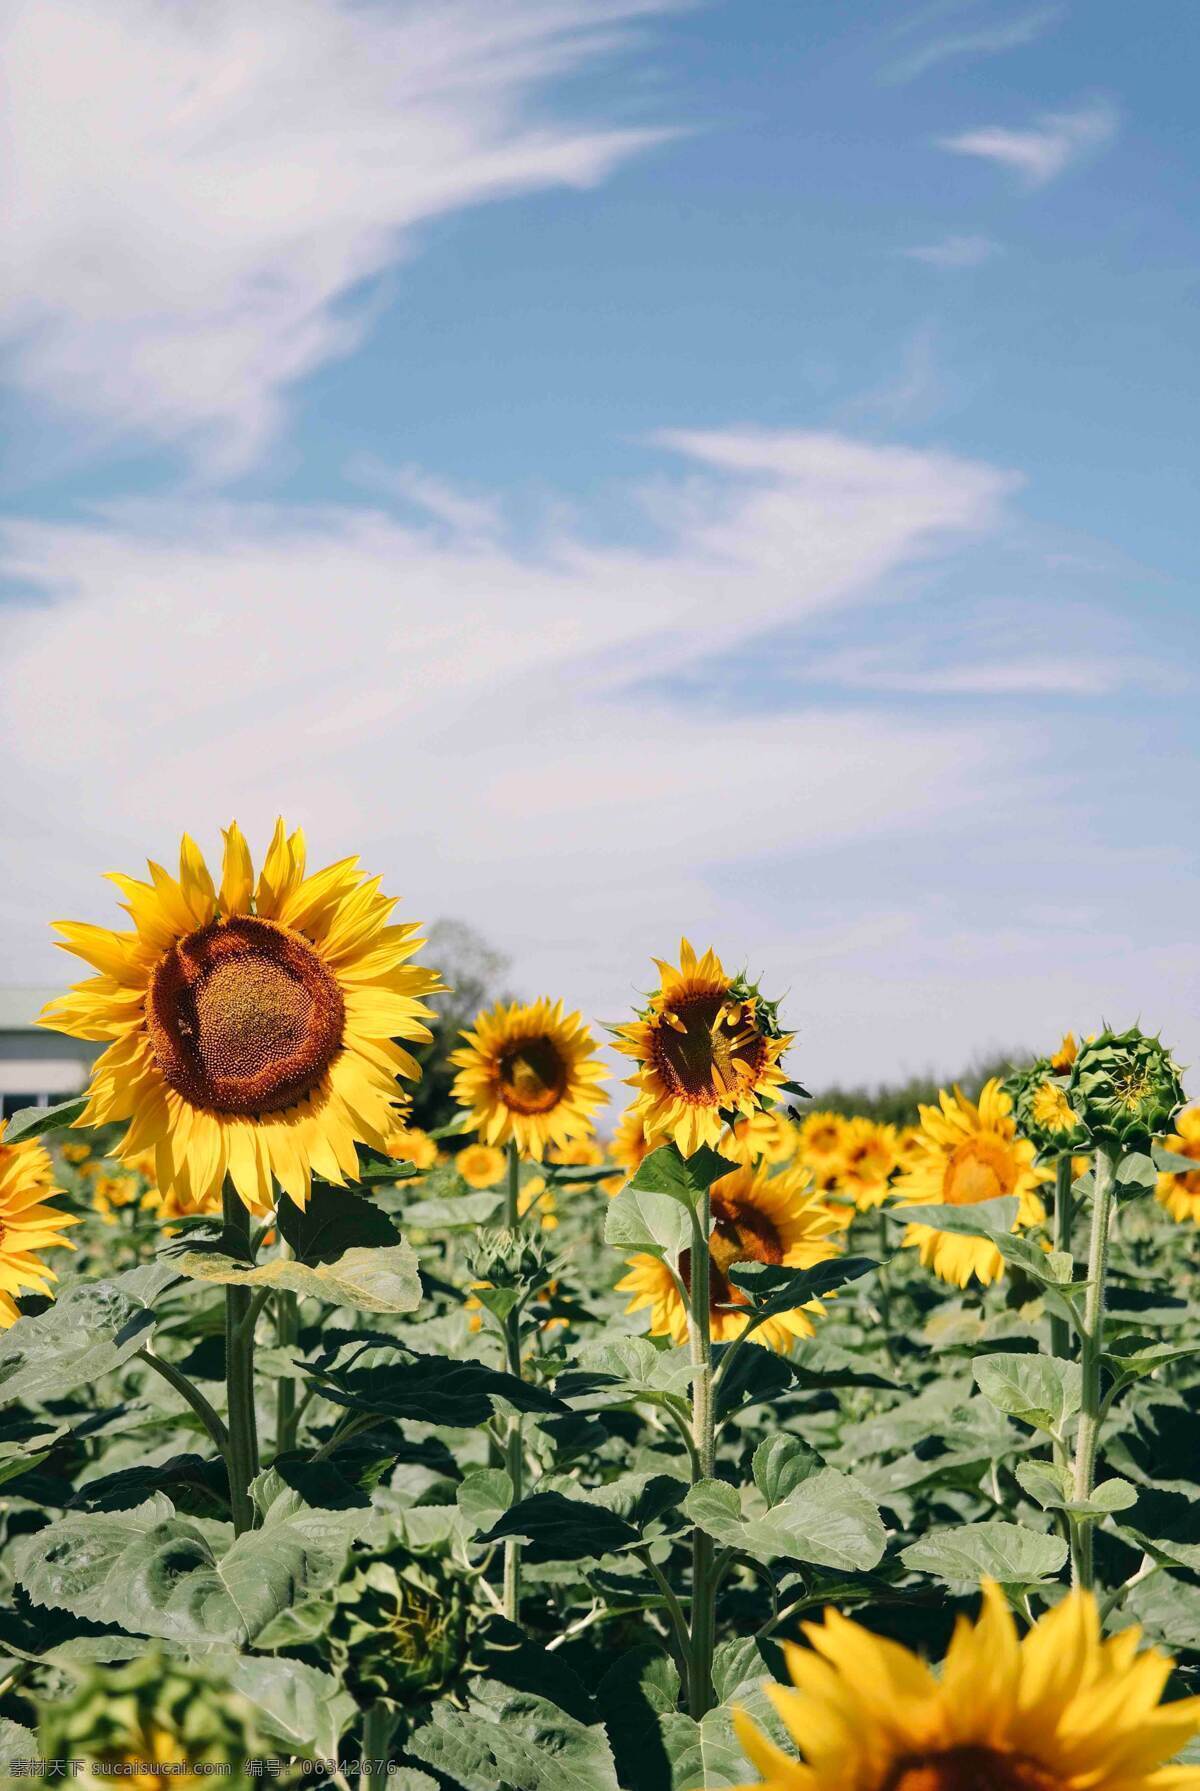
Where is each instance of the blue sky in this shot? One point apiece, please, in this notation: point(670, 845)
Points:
point(626, 468)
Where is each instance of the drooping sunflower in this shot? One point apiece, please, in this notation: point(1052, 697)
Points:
point(707, 1048)
point(756, 1217)
point(964, 1154)
point(28, 1225)
point(480, 1165)
point(1179, 1191)
point(870, 1155)
point(529, 1073)
point(1059, 1709)
point(252, 1029)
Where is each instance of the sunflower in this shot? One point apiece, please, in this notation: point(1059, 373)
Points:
point(768, 1134)
point(1058, 1710)
point(1062, 1059)
point(628, 1148)
point(870, 1155)
point(1179, 1192)
point(580, 1153)
point(707, 1048)
point(409, 1144)
point(111, 1192)
point(529, 1073)
point(480, 1165)
point(756, 1217)
point(27, 1224)
point(75, 1154)
point(251, 1030)
point(819, 1140)
point(965, 1154)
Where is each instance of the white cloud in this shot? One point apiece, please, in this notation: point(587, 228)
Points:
point(985, 39)
point(1043, 675)
point(955, 252)
point(1046, 149)
point(192, 197)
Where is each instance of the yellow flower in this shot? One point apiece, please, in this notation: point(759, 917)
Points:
point(1052, 1109)
point(628, 1147)
point(27, 1224)
point(535, 1197)
point(768, 1135)
point(76, 1153)
point(965, 1154)
point(819, 1139)
point(1180, 1193)
point(411, 1145)
point(1062, 1059)
point(580, 1153)
point(705, 1048)
point(870, 1154)
point(480, 1165)
point(110, 1192)
point(756, 1217)
point(529, 1073)
point(251, 1029)
point(1058, 1710)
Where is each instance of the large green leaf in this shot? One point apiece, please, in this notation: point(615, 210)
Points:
point(400, 1383)
point(828, 1519)
point(378, 1279)
point(773, 1288)
point(781, 1462)
point(516, 1740)
point(637, 1366)
point(156, 1574)
point(1168, 1525)
point(1051, 1487)
point(680, 1178)
point(1039, 1390)
point(92, 1328)
point(651, 1223)
point(31, 1122)
point(299, 1706)
point(986, 1219)
point(556, 1528)
point(333, 1222)
point(704, 1755)
point(967, 1553)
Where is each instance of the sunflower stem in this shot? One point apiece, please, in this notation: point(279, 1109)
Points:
point(287, 1330)
point(512, 1212)
point(378, 1725)
point(1091, 1349)
point(515, 1463)
point(1064, 1215)
point(239, 1374)
point(700, 1686)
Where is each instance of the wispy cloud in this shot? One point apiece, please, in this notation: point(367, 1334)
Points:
point(954, 253)
point(1047, 148)
point(1043, 675)
point(193, 198)
point(988, 38)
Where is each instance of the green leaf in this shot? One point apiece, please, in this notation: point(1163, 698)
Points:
point(967, 1553)
point(91, 1329)
point(655, 1224)
point(1051, 1487)
point(431, 1389)
point(517, 1740)
point(1135, 1357)
point(462, 1212)
point(1171, 1161)
point(372, 1280)
point(1168, 1610)
point(637, 1366)
point(828, 1519)
point(333, 1222)
point(987, 1219)
point(196, 1487)
point(685, 1179)
point(780, 1464)
point(16, 1743)
point(1137, 1172)
point(299, 1706)
point(773, 1288)
point(1039, 1390)
point(704, 1755)
point(556, 1528)
point(31, 1122)
point(1167, 1525)
point(636, 1693)
point(483, 1497)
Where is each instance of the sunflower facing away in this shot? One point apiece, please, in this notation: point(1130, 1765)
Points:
point(965, 1154)
point(756, 1217)
point(870, 1154)
point(529, 1073)
point(707, 1048)
point(27, 1224)
point(251, 1029)
point(1058, 1710)
point(1179, 1192)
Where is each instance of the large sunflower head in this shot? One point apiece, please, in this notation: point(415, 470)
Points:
point(529, 1072)
point(252, 1028)
point(965, 1154)
point(756, 1217)
point(870, 1155)
point(1179, 1191)
point(1059, 1709)
point(1125, 1088)
point(28, 1224)
point(707, 1048)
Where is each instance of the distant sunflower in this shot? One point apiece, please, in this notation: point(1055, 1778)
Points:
point(768, 1135)
point(536, 1198)
point(628, 1148)
point(580, 1153)
point(819, 1140)
point(870, 1154)
point(480, 1165)
point(112, 1192)
point(1059, 1709)
point(1179, 1191)
point(1062, 1059)
point(27, 1224)
point(409, 1144)
point(965, 1154)
point(756, 1217)
point(707, 1049)
point(252, 1029)
point(529, 1073)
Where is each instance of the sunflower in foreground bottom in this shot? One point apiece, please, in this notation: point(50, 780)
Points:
point(27, 1224)
point(1058, 1710)
point(963, 1155)
point(529, 1072)
point(252, 1028)
point(756, 1217)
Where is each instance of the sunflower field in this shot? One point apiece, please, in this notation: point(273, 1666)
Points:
point(689, 1437)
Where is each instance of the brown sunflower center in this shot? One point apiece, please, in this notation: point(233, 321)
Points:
point(532, 1075)
point(707, 1048)
point(981, 1169)
point(740, 1233)
point(244, 1017)
point(970, 1769)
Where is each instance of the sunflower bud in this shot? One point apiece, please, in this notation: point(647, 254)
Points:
point(399, 1628)
point(510, 1259)
point(155, 1712)
point(1125, 1088)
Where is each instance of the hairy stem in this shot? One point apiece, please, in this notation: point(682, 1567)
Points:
point(700, 1686)
point(378, 1723)
point(515, 1463)
point(1064, 1215)
point(287, 1331)
point(239, 1375)
point(512, 1213)
point(1092, 1346)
